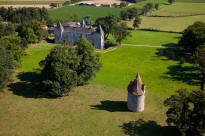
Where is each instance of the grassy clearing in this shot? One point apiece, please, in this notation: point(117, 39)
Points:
point(175, 24)
point(89, 110)
point(160, 74)
point(181, 9)
point(65, 12)
point(192, 1)
point(46, 2)
point(100, 107)
point(139, 37)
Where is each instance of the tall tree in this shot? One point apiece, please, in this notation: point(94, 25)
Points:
point(6, 67)
point(120, 32)
point(170, 1)
point(66, 67)
point(187, 112)
point(13, 44)
point(193, 36)
point(136, 22)
point(199, 61)
point(107, 24)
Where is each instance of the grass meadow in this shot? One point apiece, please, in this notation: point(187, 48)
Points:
point(64, 13)
point(98, 108)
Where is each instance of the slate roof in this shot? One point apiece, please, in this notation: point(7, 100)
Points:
point(136, 87)
point(79, 30)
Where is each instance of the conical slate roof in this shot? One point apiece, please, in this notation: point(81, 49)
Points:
point(136, 87)
point(59, 25)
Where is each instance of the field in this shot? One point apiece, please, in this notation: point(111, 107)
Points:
point(65, 12)
point(174, 17)
point(98, 108)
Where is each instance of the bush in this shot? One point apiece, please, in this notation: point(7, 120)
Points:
point(6, 67)
point(66, 67)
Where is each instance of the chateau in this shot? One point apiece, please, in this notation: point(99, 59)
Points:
point(74, 31)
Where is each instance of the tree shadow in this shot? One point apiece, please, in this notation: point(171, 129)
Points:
point(187, 74)
point(29, 85)
point(112, 106)
point(148, 128)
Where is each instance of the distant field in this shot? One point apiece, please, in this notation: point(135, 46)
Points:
point(152, 38)
point(181, 9)
point(27, 2)
point(193, 1)
point(64, 13)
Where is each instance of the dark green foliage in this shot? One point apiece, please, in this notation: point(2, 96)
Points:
point(88, 20)
point(13, 44)
point(129, 14)
point(156, 6)
point(53, 5)
point(66, 3)
point(24, 15)
point(67, 66)
point(199, 61)
point(6, 67)
point(7, 29)
point(120, 32)
point(187, 112)
point(107, 24)
point(75, 18)
point(32, 32)
point(170, 1)
point(123, 4)
point(136, 22)
point(115, 5)
point(193, 36)
point(147, 8)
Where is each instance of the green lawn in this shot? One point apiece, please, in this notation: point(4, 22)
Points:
point(181, 9)
point(139, 37)
point(98, 108)
point(174, 24)
point(64, 13)
point(193, 1)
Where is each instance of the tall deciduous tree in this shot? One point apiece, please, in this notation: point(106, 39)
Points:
point(187, 112)
point(193, 36)
point(107, 24)
point(66, 67)
point(136, 22)
point(6, 67)
point(120, 32)
point(199, 61)
point(13, 44)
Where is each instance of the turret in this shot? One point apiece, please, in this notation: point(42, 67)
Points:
point(58, 32)
point(83, 24)
point(136, 95)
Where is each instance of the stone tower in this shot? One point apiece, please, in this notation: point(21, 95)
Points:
point(136, 95)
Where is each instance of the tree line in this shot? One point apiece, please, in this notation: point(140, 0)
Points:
point(18, 28)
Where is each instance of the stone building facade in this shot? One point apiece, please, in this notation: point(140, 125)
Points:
point(74, 31)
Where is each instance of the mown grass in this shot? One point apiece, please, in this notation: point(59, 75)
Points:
point(64, 13)
point(175, 24)
point(139, 37)
point(193, 1)
point(181, 9)
point(98, 108)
